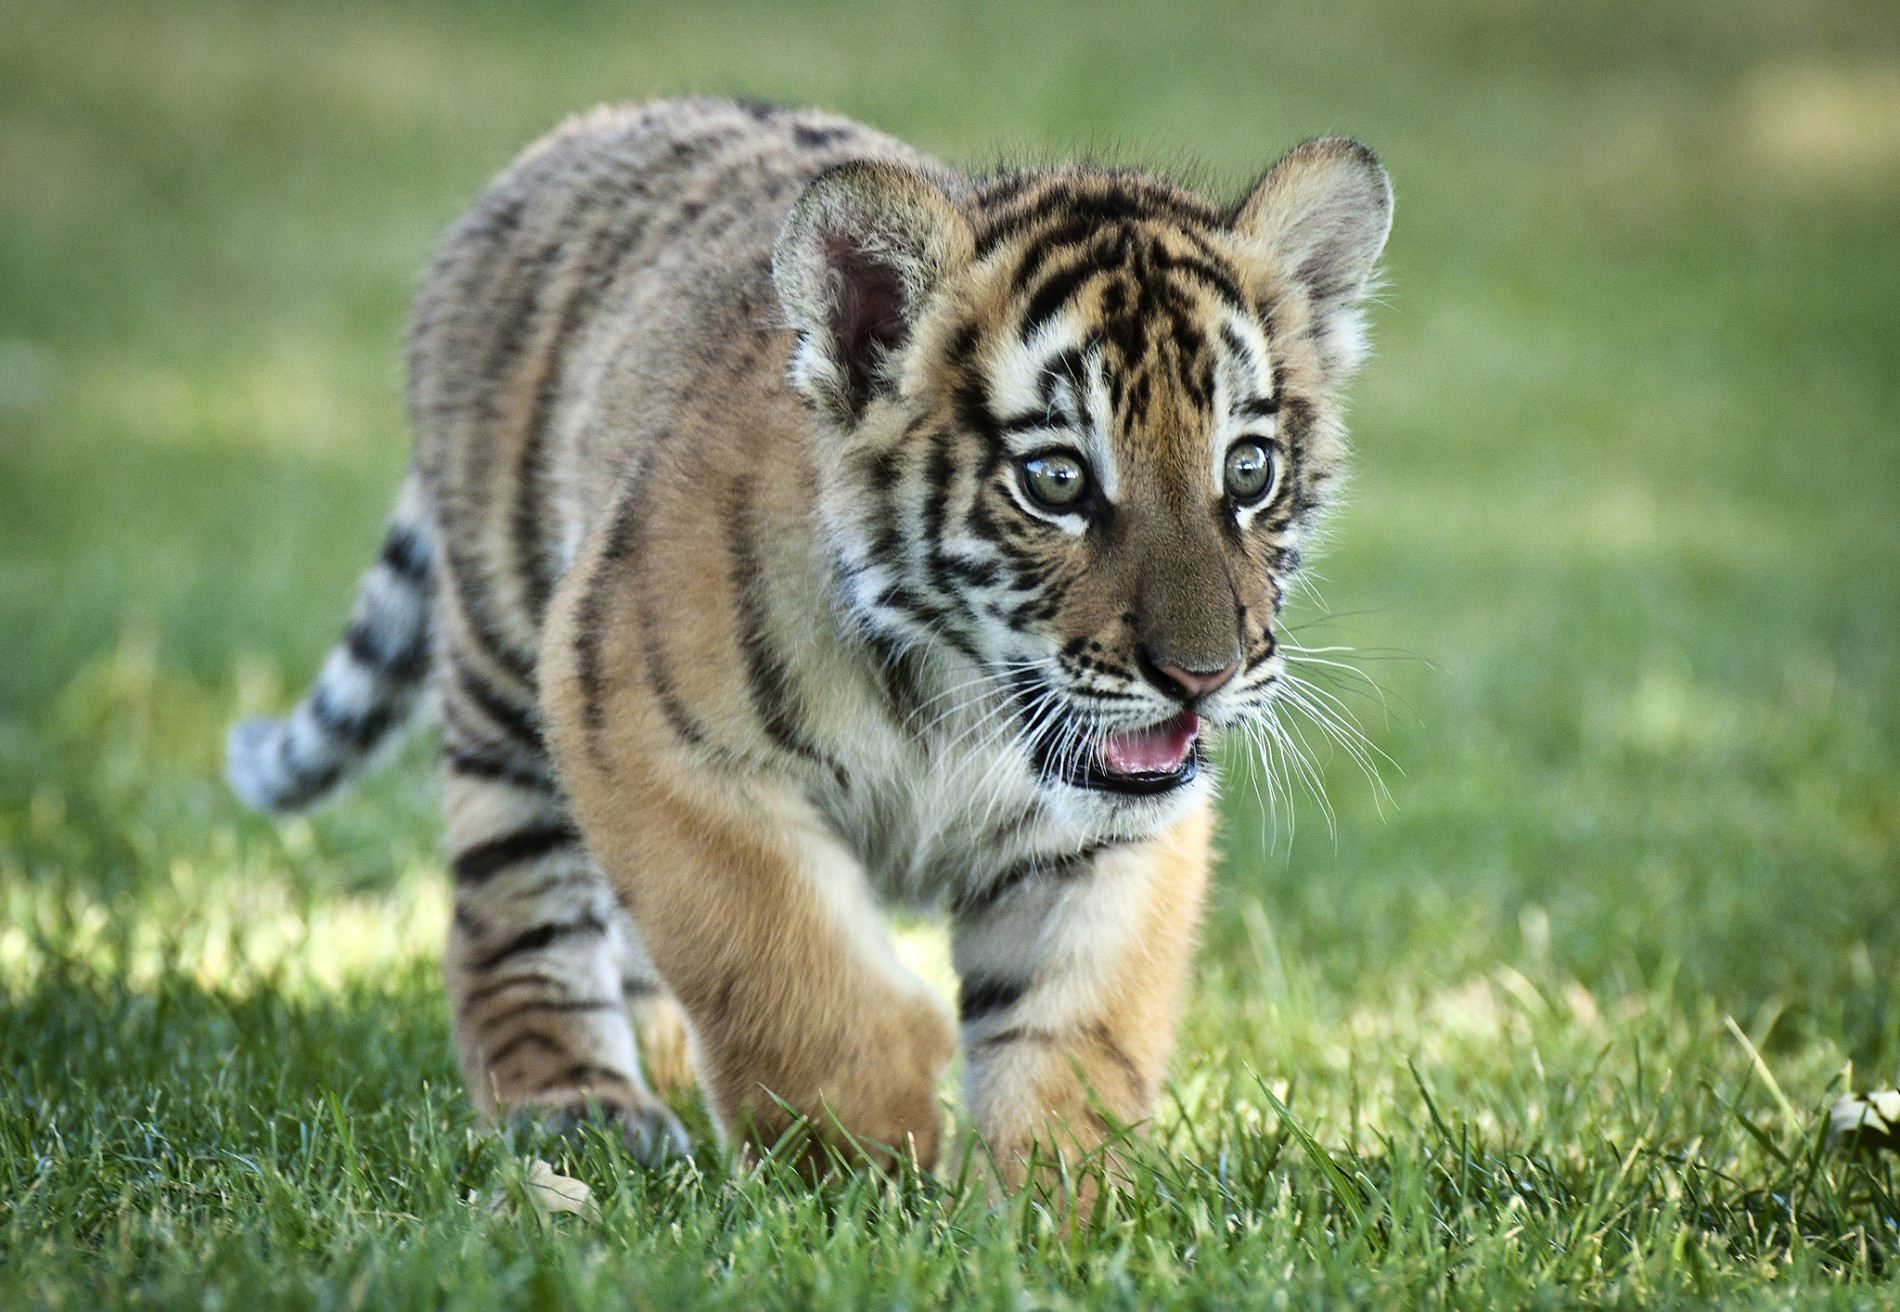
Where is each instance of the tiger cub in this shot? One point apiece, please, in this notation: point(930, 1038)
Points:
point(798, 526)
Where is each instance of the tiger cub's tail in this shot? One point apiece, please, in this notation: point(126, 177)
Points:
point(369, 686)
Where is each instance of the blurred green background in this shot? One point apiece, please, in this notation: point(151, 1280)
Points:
point(1622, 553)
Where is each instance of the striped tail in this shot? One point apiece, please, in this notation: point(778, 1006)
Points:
point(369, 686)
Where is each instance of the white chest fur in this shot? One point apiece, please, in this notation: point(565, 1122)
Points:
point(936, 814)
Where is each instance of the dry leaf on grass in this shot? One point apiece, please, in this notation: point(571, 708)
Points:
point(1866, 1121)
point(549, 1193)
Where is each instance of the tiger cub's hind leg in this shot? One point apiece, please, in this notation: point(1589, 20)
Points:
point(545, 971)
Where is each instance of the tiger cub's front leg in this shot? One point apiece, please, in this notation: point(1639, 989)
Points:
point(1072, 977)
point(762, 927)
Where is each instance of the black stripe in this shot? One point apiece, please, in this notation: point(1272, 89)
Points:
point(1117, 1055)
point(1028, 421)
point(815, 138)
point(406, 554)
point(484, 861)
point(1011, 829)
point(584, 873)
point(1095, 201)
point(983, 995)
point(768, 678)
point(557, 1006)
point(512, 298)
point(1252, 407)
point(496, 986)
point(624, 535)
point(938, 623)
point(1004, 184)
point(525, 1039)
point(979, 900)
point(1019, 1034)
point(360, 730)
point(1211, 276)
point(524, 520)
point(514, 721)
point(1268, 645)
point(305, 780)
point(1296, 420)
point(882, 468)
point(974, 414)
point(474, 764)
point(939, 470)
point(407, 661)
point(1048, 246)
point(496, 217)
point(479, 618)
point(1055, 292)
point(900, 672)
point(541, 936)
point(584, 1070)
point(684, 724)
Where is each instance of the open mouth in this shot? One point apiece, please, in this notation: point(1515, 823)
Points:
point(1142, 762)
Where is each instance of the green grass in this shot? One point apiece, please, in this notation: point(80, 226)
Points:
point(1622, 557)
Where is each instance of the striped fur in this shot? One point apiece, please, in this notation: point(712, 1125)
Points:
point(749, 620)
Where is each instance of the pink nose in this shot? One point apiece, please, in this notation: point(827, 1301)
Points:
point(1194, 684)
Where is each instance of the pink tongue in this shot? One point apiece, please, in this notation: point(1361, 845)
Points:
point(1159, 749)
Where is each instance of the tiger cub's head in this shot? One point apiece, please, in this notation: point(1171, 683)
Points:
point(1075, 424)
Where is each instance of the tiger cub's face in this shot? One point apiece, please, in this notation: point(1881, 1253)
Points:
point(1077, 423)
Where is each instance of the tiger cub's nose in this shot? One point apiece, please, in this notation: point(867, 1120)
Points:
point(1184, 683)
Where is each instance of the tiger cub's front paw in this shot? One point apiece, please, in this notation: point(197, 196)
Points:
point(653, 1135)
point(867, 1092)
point(886, 1101)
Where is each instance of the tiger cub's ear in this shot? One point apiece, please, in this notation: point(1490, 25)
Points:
point(1320, 218)
point(859, 255)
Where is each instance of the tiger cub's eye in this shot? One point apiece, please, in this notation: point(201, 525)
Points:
point(1056, 480)
point(1250, 471)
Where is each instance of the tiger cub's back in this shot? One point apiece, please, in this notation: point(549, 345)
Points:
point(610, 293)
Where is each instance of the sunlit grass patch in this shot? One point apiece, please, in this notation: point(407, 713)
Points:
point(1806, 123)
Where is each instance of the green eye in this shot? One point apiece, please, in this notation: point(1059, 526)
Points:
point(1250, 472)
point(1056, 480)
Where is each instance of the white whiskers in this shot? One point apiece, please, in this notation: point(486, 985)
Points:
point(1281, 751)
